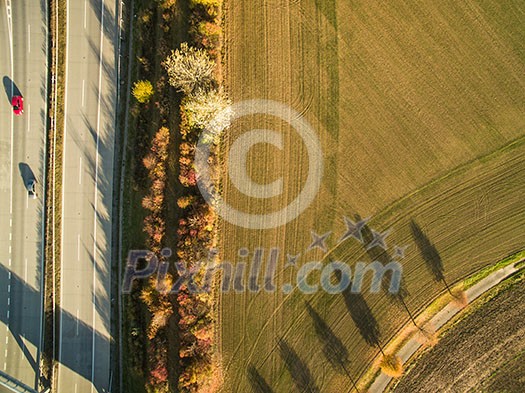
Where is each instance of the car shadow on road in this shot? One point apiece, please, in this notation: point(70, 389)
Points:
point(11, 89)
point(26, 173)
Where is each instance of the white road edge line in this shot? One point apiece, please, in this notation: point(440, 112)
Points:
point(28, 117)
point(80, 170)
point(85, 14)
point(28, 38)
point(10, 33)
point(101, 54)
point(9, 23)
point(83, 91)
point(63, 188)
point(42, 244)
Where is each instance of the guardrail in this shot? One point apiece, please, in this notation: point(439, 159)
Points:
point(15, 386)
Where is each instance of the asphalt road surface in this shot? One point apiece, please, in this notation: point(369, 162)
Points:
point(90, 107)
point(23, 70)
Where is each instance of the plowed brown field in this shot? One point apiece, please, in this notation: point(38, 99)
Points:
point(487, 350)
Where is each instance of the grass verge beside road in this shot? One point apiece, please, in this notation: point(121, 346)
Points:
point(168, 337)
point(55, 125)
point(155, 32)
point(132, 235)
point(477, 277)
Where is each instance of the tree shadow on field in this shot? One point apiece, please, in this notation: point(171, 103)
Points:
point(434, 262)
point(363, 317)
point(301, 375)
point(333, 348)
point(429, 252)
point(258, 383)
point(378, 254)
point(329, 9)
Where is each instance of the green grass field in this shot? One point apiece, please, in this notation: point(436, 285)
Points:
point(420, 110)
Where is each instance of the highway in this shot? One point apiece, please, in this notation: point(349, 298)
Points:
point(22, 151)
point(23, 70)
point(90, 108)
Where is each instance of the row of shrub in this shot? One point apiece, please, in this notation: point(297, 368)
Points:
point(153, 295)
point(193, 71)
point(150, 307)
point(205, 26)
point(201, 105)
point(136, 314)
point(199, 369)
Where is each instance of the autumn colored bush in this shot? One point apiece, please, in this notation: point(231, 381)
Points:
point(208, 35)
point(196, 234)
point(185, 201)
point(157, 301)
point(142, 91)
point(192, 70)
point(158, 376)
point(154, 201)
point(392, 366)
point(459, 298)
point(166, 4)
point(205, 9)
point(206, 3)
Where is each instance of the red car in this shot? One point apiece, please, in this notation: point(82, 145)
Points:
point(18, 105)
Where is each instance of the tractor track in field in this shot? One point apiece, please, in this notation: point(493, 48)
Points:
point(415, 124)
